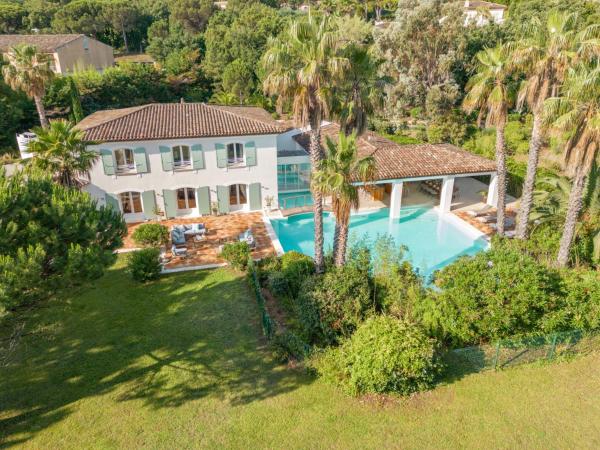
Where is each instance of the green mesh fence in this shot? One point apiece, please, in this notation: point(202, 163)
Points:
point(512, 352)
point(268, 324)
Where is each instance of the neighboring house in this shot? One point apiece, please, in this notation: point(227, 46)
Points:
point(70, 51)
point(481, 12)
point(188, 159)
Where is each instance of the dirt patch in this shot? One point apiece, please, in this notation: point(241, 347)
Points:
point(274, 309)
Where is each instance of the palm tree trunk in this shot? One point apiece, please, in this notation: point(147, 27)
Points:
point(573, 210)
point(39, 105)
point(501, 163)
point(316, 155)
point(340, 254)
point(528, 186)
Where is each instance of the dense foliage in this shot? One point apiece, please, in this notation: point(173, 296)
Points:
point(384, 355)
point(236, 254)
point(144, 265)
point(51, 236)
point(151, 235)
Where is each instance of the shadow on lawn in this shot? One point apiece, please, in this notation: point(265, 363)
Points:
point(185, 337)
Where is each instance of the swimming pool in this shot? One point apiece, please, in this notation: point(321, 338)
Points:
point(433, 241)
point(288, 200)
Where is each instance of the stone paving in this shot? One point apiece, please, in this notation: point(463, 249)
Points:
point(220, 229)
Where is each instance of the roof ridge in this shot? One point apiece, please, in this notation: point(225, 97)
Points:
point(259, 122)
point(135, 109)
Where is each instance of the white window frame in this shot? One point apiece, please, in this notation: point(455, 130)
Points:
point(130, 195)
point(187, 199)
point(183, 164)
point(127, 167)
point(237, 161)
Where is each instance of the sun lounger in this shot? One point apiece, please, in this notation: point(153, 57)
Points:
point(480, 212)
point(177, 236)
point(247, 236)
point(194, 229)
point(179, 251)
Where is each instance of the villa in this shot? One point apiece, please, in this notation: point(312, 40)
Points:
point(194, 159)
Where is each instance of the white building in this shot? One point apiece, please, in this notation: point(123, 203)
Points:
point(481, 12)
point(190, 159)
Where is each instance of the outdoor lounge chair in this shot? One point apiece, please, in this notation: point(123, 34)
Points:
point(177, 236)
point(481, 211)
point(179, 251)
point(194, 229)
point(247, 236)
point(508, 223)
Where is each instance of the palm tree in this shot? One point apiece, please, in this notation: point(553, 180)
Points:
point(490, 92)
point(360, 91)
point(336, 176)
point(545, 54)
point(301, 66)
point(29, 71)
point(577, 114)
point(62, 150)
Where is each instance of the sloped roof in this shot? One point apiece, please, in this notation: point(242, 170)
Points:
point(177, 120)
point(47, 43)
point(395, 161)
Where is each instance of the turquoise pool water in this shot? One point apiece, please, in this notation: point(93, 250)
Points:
point(433, 241)
point(290, 200)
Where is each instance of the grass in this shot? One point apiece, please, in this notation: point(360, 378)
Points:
point(181, 363)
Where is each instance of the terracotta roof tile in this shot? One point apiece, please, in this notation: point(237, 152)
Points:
point(177, 120)
point(396, 161)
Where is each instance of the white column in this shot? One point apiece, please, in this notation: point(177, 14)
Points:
point(396, 200)
point(446, 194)
point(492, 197)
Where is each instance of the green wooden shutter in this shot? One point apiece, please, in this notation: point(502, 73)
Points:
point(166, 155)
point(170, 198)
point(223, 199)
point(203, 199)
point(221, 155)
point(108, 161)
point(197, 157)
point(112, 201)
point(250, 149)
point(149, 204)
point(141, 162)
point(255, 197)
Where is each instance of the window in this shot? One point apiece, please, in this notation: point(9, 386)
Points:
point(235, 154)
point(125, 160)
point(181, 157)
point(131, 202)
point(237, 194)
point(186, 198)
point(292, 177)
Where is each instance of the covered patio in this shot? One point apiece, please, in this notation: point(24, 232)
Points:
point(220, 230)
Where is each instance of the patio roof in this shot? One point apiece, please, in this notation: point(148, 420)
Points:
point(395, 161)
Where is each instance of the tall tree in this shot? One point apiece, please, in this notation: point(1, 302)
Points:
point(490, 93)
point(123, 16)
point(61, 150)
point(360, 91)
point(300, 65)
point(577, 114)
point(29, 71)
point(336, 176)
point(544, 54)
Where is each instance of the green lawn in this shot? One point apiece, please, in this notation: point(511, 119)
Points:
point(181, 363)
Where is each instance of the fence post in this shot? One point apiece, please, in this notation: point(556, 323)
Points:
point(553, 347)
point(496, 355)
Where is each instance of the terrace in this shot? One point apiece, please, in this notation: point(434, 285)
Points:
point(220, 230)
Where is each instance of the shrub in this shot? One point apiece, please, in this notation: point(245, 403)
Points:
point(492, 295)
point(296, 267)
point(384, 355)
point(333, 305)
point(236, 254)
point(288, 346)
point(267, 266)
point(144, 265)
point(278, 284)
point(151, 235)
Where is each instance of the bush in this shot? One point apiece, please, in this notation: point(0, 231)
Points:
point(278, 284)
point(384, 355)
point(288, 346)
point(492, 295)
point(296, 267)
point(151, 235)
point(144, 265)
point(267, 266)
point(331, 306)
point(236, 254)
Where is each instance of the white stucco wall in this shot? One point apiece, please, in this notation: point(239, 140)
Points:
point(264, 172)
